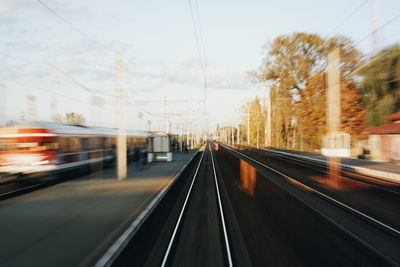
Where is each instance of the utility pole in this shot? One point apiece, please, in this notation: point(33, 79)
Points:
point(31, 114)
point(333, 91)
point(3, 105)
point(258, 130)
point(121, 139)
point(375, 34)
point(265, 124)
point(238, 134)
point(227, 135)
point(248, 128)
point(191, 141)
point(333, 115)
point(269, 133)
point(97, 102)
point(54, 109)
point(230, 135)
point(187, 137)
point(166, 115)
point(180, 131)
point(196, 136)
point(294, 139)
point(233, 137)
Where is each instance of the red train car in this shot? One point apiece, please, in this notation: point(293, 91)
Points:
point(52, 147)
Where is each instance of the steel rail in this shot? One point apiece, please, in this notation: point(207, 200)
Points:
point(339, 203)
point(322, 195)
point(171, 241)
point(228, 250)
point(345, 174)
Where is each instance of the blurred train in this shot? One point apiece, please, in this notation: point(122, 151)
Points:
point(45, 147)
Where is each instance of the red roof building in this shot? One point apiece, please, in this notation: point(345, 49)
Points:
point(384, 141)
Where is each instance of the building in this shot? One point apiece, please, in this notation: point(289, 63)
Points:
point(384, 141)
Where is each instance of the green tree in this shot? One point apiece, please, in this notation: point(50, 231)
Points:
point(380, 87)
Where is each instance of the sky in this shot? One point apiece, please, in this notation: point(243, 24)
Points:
point(67, 60)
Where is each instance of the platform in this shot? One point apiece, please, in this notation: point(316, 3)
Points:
point(75, 222)
point(384, 170)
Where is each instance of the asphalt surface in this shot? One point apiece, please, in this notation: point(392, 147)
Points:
point(74, 223)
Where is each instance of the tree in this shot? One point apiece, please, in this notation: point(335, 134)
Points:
point(57, 118)
point(294, 69)
point(381, 85)
point(74, 118)
point(257, 121)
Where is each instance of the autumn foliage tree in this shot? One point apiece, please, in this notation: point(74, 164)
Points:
point(256, 122)
point(294, 68)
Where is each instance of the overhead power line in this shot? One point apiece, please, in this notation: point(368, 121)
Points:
point(347, 18)
point(201, 36)
point(74, 27)
point(200, 47)
point(63, 73)
point(66, 22)
point(44, 89)
point(379, 28)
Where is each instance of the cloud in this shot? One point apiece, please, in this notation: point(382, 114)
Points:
point(187, 71)
point(7, 5)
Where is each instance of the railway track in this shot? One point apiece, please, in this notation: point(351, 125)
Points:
point(392, 231)
point(375, 203)
point(177, 245)
point(15, 189)
point(189, 226)
point(379, 183)
point(218, 214)
point(19, 185)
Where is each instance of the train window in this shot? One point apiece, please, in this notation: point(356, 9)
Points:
point(27, 145)
point(85, 144)
point(47, 143)
point(3, 145)
point(8, 144)
point(49, 146)
point(110, 142)
point(103, 141)
point(63, 144)
point(74, 144)
point(95, 143)
point(69, 144)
